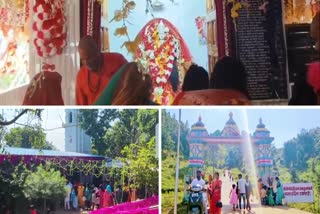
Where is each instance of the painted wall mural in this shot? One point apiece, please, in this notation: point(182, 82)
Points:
point(201, 25)
point(14, 44)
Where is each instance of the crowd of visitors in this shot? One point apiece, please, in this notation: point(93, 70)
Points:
point(89, 197)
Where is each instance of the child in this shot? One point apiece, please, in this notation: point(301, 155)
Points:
point(233, 197)
point(270, 197)
point(263, 193)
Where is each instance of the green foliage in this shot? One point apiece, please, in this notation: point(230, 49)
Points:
point(301, 163)
point(111, 130)
point(45, 184)
point(26, 137)
point(11, 184)
point(141, 165)
point(96, 122)
point(169, 135)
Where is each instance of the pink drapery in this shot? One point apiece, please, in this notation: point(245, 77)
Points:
point(139, 207)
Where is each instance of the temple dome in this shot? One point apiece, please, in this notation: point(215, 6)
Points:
point(261, 130)
point(231, 128)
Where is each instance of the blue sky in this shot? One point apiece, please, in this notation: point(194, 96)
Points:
point(283, 124)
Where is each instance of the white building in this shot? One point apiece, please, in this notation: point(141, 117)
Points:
point(75, 138)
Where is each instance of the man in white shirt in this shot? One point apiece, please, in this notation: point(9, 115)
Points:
point(67, 198)
point(199, 181)
point(242, 191)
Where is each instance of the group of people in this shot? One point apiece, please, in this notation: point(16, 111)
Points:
point(241, 192)
point(212, 191)
point(272, 193)
point(109, 79)
point(89, 197)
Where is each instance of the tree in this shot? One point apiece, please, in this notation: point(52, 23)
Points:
point(112, 130)
point(27, 137)
point(20, 113)
point(169, 134)
point(11, 185)
point(141, 165)
point(45, 184)
point(96, 123)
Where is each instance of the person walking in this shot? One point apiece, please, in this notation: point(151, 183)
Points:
point(233, 197)
point(248, 192)
point(242, 191)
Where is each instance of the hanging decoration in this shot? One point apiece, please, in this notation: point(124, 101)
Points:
point(122, 16)
point(13, 12)
point(236, 6)
point(49, 24)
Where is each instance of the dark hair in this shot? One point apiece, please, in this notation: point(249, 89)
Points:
point(233, 186)
point(217, 173)
point(229, 73)
point(174, 78)
point(197, 78)
point(277, 178)
point(240, 176)
point(134, 88)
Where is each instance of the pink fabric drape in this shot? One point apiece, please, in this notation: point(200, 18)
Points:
point(139, 207)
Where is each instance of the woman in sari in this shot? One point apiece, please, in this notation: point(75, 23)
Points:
point(216, 185)
point(74, 198)
point(280, 193)
point(111, 201)
point(131, 85)
point(101, 196)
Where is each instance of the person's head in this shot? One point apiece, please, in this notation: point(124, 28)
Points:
point(233, 186)
point(229, 73)
point(315, 30)
point(89, 53)
point(247, 177)
point(277, 178)
point(260, 180)
point(210, 178)
point(101, 187)
point(198, 174)
point(240, 176)
point(134, 87)
point(196, 78)
point(216, 175)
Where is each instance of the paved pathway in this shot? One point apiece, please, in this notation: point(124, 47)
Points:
point(255, 206)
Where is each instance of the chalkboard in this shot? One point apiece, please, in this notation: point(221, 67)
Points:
point(260, 45)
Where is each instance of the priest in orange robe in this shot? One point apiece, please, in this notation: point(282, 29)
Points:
point(96, 71)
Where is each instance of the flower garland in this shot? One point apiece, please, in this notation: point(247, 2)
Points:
point(158, 52)
point(236, 6)
point(49, 24)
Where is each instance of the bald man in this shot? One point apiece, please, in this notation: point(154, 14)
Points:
point(96, 72)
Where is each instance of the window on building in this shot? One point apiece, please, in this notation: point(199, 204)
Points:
point(70, 117)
